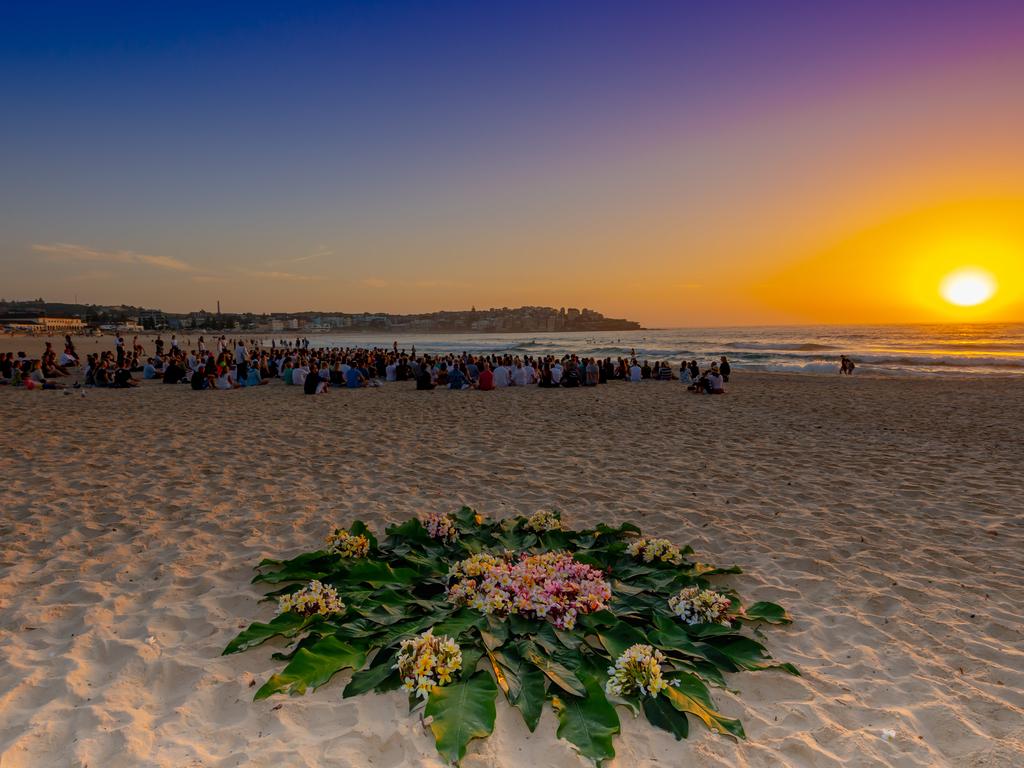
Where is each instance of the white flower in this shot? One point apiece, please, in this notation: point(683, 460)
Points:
point(426, 662)
point(544, 520)
point(343, 543)
point(637, 672)
point(312, 599)
point(655, 549)
point(701, 606)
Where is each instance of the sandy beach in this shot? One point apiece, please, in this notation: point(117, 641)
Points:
point(887, 515)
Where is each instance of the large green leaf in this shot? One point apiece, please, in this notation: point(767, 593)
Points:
point(689, 694)
point(748, 654)
point(772, 613)
point(589, 722)
point(314, 666)
point(286, 624)
point(662, 714)
point(305, 567)
point(377, 574)
point(526, 685)
point(380, 670)
point(461, 712)
point(459, 622)
point(618, 637)
point(555, 670)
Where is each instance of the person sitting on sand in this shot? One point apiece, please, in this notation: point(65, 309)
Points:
point(311, 384)
point(485, 380)
point(123, 378)
point(224, 379)
point(715, 382)
point(457, 379)
point(424, 379)
point(354, 378)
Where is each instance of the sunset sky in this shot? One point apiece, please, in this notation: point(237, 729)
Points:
point(675, 163)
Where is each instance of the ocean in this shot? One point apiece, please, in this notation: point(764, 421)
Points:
point(891, 350)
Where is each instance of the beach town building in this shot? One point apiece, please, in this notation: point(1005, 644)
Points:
point(42, 324)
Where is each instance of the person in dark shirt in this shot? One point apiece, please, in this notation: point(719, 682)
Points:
point(312, 382)
point(571, 376)
point(725, 369)
point(173, 373)
point(423, 379)
point(123, 378)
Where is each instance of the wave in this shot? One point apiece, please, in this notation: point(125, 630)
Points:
point(803, 347)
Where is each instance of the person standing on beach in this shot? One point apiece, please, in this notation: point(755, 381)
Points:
point(725, 369)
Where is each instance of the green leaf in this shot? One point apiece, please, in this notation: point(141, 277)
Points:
point(461, 712)
point(661, 714)
point(618, 637)
point(374, 676)
point(748, 654)
point(377, 574)
point(527, 685)
point(557, 672)
point(589, 722)
point(466, 519)
point(411, 530)
point(286, 624)
point(305, 567)
point(689, 694)
point(460, 622)
point(772, 613)
point(314, 666)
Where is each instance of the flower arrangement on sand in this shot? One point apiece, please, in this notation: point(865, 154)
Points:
point(428, 661)
point(650, 550)
point(455, 608)
point(346, 544)
point(544, 520)
point(314, 599)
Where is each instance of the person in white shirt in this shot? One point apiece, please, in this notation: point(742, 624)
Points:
point(239, 352)
point(502, 376)
point(391, 372)
point(556, 373)
point(523, 375)
point(635, 372)
point(299, 375)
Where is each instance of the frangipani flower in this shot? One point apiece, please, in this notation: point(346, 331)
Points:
point(312, 599)
point(649, 550)
point(426, 662)
point(552, 586)
point(701, 606)
point(441, 526)
point(343, 543)
point(544, 520)
point(637, 672)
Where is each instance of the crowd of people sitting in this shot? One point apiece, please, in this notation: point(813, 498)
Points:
point(238, 363)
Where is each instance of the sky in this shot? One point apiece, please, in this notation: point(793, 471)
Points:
point(676, 163)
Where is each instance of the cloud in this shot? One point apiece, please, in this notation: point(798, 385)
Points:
point(374, 282)
point(321, 250)
point(203, 279)
point(275, 275)
point(66, 252)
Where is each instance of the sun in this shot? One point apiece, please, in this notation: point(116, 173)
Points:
point(968, 287)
